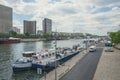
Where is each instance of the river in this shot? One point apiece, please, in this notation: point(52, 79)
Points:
point(11, 52)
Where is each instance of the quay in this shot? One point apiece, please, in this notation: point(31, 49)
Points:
point(109, 66)
point(65, 67)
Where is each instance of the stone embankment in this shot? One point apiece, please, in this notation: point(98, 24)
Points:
point(27, 40)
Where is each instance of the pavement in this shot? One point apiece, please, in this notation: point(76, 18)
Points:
point(64, 68)
point(109, 66)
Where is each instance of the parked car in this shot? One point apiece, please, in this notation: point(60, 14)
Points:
point(108, 44)
point(92, 48)
point(109, 49)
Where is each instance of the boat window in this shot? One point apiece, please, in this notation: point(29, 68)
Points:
point(49, 55)
point(52, 53)
point(43, 56)
point(46, 55)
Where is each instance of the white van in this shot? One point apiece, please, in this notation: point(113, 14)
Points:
point(92, 48)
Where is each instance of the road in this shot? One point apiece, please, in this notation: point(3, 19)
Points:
point(86, 67)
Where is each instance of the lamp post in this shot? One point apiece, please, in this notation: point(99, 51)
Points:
point(55, 55)
point(87, 42)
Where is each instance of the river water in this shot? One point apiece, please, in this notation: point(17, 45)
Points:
point(11, 52)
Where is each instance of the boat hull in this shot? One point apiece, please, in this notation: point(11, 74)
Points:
point(52, 64)
point(21, 66)
point(8, 41)
point(16, 69)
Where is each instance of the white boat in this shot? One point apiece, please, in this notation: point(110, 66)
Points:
point(44, 59)
point(24, 63)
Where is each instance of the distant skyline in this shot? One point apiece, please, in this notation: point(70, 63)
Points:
point(85, 16)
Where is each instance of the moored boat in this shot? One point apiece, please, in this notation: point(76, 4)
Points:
point(24, 63)
point(45, 59)
point(60, 56)
point(9, 40)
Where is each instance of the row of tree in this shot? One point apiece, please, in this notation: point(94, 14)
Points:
point(115, 37)
point(46, 36)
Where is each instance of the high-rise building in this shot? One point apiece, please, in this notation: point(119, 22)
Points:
point(30, 27)
point(47, 26)
point(5, 19)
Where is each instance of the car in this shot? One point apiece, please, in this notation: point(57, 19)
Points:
point(108, 44)
point(92, 48)
point(109, 49)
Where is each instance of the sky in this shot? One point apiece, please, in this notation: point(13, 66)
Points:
point(84, 16)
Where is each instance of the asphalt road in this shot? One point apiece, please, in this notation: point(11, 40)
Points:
point(86, 67)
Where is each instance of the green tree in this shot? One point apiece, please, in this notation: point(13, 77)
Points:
point(12, 33)
point(27, 34)
point(115, 37)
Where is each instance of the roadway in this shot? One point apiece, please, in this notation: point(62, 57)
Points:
point(85, 68)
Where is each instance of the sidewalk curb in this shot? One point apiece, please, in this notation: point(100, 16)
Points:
point(84, 54)
point(98, 63)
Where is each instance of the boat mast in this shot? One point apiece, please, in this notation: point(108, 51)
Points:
point(55, 54)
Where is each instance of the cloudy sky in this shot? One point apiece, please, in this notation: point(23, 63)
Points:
point(85, 16)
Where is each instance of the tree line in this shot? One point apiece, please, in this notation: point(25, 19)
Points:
point(46, 36)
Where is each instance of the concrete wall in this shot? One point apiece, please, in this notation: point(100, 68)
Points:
point(5, 19)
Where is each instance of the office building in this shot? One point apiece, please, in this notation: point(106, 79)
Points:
point(5, 19)
point(30, 27)
point(47, 26)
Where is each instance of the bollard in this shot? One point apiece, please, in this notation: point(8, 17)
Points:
point(39, 71)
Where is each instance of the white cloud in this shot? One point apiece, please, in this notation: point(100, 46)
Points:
point(69, 16)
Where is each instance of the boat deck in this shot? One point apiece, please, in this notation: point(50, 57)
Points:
point(52, 63)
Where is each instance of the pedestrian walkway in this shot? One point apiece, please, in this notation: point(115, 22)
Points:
point(109, 66)
point(64, 68)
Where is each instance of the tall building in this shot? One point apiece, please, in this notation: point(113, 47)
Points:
point(5, 19)
point(47, 26)
point(30, 27)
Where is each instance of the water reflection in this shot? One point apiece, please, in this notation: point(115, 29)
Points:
point(47, 44)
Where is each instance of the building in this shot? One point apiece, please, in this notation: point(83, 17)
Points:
point(47, 26)
point(15, 29)
point(29, 27)
point(5, 19)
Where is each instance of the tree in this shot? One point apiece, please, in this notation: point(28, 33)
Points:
point(115, 37)
point(12, 33)
point(27, 34)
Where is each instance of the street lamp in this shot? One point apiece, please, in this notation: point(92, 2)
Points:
point(55, 55)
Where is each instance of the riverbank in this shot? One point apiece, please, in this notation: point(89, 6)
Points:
point(109, 66)
point(31, 39)
point(38, 39)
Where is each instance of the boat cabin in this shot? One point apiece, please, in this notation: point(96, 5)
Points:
point(28, 54)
